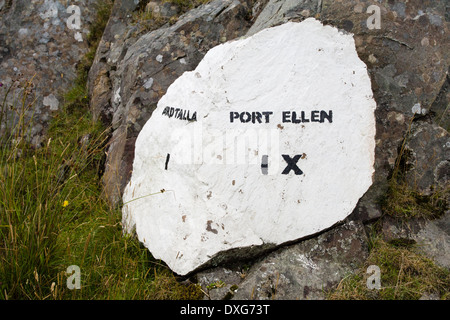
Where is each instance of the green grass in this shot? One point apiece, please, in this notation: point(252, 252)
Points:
point(53, 213)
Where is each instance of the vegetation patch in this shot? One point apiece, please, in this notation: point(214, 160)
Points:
point(403, 201)
point(405, 275)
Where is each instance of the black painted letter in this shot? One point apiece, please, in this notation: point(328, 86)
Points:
point(265, 164)
point(292, 164)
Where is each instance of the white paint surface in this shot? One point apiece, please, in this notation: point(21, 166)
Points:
point(214, 202)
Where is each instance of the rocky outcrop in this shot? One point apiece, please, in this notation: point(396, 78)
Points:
point(403, 43)
point(427, 153)
point(407, 60)
point(430, 237)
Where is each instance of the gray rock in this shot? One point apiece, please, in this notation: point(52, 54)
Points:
point(439, 109)
point(430, 296)
point(220, 283)
point(169, 10)
point(428, 158)
point(276, 12)
point(51, 101)
point(430, 237)
point(124, 64)
point(304, 271)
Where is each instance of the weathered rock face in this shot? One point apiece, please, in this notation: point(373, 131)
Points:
point(306, 270)
point(43, 41)
point(428, 155)
point(249, 163)
point(405, 49)
point(432, 237)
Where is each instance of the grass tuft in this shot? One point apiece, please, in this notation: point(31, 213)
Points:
point(403, 201)
point(405, 275)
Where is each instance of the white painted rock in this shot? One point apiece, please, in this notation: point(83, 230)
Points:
point(270, 139)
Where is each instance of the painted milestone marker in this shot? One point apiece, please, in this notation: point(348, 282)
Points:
point(270, 139)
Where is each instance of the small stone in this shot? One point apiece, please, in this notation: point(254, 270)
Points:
point(305, 13)
point(430, 296)
point(153, 8)
point(78, 37)
point(23, 32)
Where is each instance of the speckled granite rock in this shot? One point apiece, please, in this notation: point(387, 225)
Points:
point(41, 40)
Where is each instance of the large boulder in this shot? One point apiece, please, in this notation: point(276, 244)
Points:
point(246, 162)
